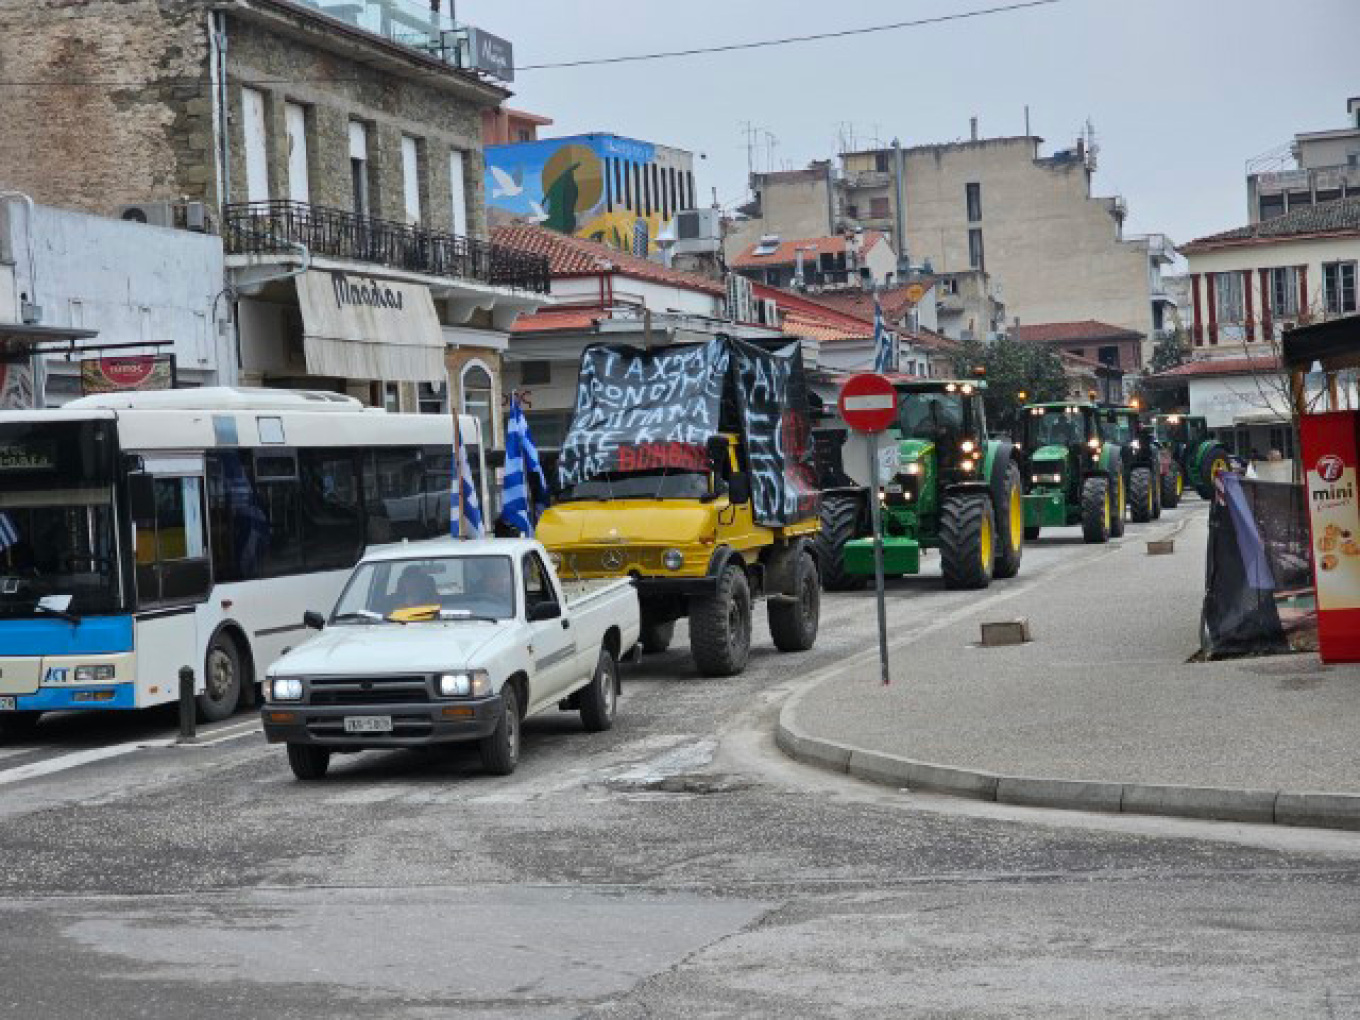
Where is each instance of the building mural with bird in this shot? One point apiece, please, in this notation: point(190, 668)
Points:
point(604, 187)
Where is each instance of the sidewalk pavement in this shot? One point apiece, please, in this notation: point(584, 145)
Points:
point(1101, 710)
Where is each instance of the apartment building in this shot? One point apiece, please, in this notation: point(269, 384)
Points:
point(1051, 250)
point(1315, 168)
point(336, 147)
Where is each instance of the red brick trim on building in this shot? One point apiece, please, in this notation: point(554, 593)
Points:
point(1196, 328)
point(1250, 323)
point(1211, 299)
point(1267, 324)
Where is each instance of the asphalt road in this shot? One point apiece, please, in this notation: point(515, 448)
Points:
point(677, 866)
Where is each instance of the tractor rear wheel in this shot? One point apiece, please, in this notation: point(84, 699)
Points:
point(1212, 462)
point(1172, 484)
point(1010, 526)
point(840, 524)
point(1095, 509)
point(720, 625)
point(1141, 504)
point(1156, 486)
point(1119, 501)
point(967, 541)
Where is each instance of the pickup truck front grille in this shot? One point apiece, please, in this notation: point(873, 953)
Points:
point(369, 690)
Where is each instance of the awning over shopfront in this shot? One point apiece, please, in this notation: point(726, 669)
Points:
point(356, 326)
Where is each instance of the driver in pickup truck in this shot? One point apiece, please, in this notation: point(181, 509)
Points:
point(415, 587)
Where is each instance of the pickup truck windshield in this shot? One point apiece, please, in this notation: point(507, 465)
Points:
point(478, 586)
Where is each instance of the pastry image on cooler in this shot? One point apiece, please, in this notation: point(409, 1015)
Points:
point(1351, 547)
point(1329, 562)
point(1332, 531)
point(1327, 543)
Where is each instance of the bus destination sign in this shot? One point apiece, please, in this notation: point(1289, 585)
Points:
point(30, 456)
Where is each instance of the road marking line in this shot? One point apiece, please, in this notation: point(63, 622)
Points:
point(76, 759)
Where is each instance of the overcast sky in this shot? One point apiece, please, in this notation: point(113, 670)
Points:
point(1181, 92)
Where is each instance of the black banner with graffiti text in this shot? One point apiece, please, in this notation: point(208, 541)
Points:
point(772, 395)
point(640, 410)
point(654, 410)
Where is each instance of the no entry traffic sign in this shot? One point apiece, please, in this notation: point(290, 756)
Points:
point(868, 402)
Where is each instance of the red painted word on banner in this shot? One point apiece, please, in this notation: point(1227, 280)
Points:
point(656, 456)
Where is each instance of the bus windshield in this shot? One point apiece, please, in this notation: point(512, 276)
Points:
point(1054, 426)
point(57, 535)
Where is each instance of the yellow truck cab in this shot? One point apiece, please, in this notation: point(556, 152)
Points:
point(693, 516)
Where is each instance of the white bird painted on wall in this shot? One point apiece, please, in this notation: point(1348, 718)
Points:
point(539, 213)
point(506, 185)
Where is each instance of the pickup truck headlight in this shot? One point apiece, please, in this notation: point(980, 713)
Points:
point(472, 683)
point(285, 688)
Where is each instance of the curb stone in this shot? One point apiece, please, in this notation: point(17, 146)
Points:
point(1313, 810)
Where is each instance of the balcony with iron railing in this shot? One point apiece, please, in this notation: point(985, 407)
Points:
point(278, 228)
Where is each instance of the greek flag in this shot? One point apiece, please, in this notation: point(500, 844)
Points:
point(884, 343)
point(472, 507)
point(9, 534)
point(521, 462)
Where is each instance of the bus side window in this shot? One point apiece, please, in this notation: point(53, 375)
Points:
point(332, 509)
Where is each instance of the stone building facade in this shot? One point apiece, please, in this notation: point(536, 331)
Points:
point(321, 139)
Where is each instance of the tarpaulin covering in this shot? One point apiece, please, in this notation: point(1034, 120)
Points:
point(655, 410)
point(1258, 596)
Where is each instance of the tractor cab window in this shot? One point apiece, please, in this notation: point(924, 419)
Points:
point(1055, 426)
point(1171, 429)
point(938, 416)
point(1118, 428)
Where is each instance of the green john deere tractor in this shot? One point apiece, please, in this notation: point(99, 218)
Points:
point(1072, 475)
point(1143, 459)
point(942, 484)
point(1198, 457)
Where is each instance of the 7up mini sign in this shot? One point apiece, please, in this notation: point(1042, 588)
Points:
point(1331, 450)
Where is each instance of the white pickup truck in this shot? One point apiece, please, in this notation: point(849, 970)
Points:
point(445, 641)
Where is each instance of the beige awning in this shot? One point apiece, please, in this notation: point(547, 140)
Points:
point(364, 327)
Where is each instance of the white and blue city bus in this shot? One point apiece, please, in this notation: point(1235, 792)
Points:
point(143, 532)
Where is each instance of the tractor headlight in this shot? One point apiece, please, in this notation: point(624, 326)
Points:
point(1135, 445)
point(673, 559)
point(1093, 443)
point(968, 465)
point(913, 469)
point(472, 683)
point(286, 688)
point(968, 446)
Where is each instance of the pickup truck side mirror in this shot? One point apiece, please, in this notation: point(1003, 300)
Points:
point(739, 488)
point(541, 612)
point(313, 620)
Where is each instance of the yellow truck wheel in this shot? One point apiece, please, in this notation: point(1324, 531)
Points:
point(720, 625)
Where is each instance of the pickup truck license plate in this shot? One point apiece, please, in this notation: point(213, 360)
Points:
point(368, 724)
point(8, 705)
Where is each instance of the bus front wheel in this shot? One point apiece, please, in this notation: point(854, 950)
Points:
point(221, 681)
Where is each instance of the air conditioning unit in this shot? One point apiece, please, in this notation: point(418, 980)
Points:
point(698, 231)
point(155, 214)
point(740, 299)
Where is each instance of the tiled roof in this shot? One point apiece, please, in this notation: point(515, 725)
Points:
point(1067, 332)
point(575, 256)
point(860, 303)
point(1341, 217)
point(552, 319)
point(823, 330)
point(1222, 366)
point(787, 252)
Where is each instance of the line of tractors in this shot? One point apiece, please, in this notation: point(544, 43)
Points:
point(691, 542)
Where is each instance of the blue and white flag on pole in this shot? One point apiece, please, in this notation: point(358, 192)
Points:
point(884, 343)
point(462, 479)
point(522, 463)
point(9, 534)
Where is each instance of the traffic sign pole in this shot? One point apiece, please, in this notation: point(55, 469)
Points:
point(876, 512)
point(868, 403)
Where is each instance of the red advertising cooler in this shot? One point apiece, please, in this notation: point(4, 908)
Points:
point(1331, 462)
